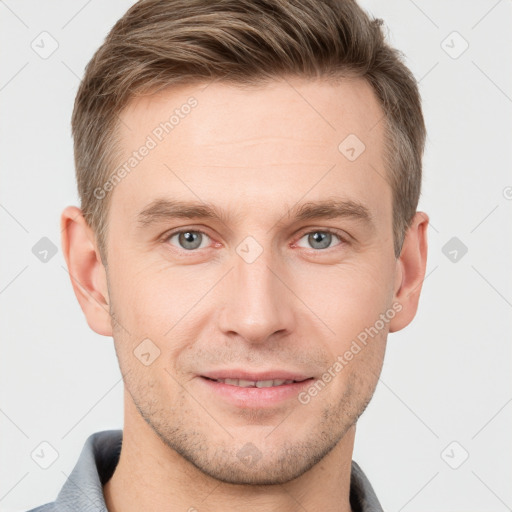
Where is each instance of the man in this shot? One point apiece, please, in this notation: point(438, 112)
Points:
point(249, 173)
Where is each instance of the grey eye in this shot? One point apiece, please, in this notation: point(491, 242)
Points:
point(189, 240)
point(320, 239)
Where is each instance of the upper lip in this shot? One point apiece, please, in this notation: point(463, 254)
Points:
point(255, 376)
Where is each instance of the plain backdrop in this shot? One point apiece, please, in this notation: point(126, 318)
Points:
point(437, 434)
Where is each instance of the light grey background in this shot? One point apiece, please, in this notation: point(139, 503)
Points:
point(446, 377)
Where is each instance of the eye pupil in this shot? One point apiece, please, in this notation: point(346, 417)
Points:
point(188, 240)
point(320, 237)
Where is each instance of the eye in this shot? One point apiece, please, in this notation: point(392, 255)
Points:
point(321, 239)
point(188, 239)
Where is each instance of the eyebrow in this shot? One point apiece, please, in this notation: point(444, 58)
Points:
point(333, 208)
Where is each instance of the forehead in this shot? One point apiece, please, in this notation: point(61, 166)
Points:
point(249, 146)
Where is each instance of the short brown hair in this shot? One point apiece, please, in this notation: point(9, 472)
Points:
point(158, 43)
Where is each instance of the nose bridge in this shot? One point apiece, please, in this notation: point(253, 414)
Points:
point(258, 303)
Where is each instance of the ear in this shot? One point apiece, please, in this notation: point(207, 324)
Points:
point(410, 272)
point(86, 270)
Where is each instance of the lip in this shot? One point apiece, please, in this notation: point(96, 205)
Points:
point(253, 397)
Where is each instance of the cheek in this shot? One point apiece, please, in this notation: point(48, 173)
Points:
point(153, 296)
point(162, 304)
point(347, 298)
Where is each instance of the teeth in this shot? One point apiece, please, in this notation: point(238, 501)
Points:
point(268, 383)
point(245, 383)
point(255, 384)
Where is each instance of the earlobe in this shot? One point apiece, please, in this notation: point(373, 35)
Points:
point(86, 270)
point(411, 268)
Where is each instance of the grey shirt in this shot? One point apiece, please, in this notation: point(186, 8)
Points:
point(83, 490)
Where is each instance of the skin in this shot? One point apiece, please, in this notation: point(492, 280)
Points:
point(256, 153)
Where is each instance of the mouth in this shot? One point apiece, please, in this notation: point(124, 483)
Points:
point(267, 383)
point(242, 389)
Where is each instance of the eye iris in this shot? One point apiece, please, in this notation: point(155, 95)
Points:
point(188, 240)
point(322, 237)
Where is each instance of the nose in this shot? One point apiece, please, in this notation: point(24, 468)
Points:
point(258, 304)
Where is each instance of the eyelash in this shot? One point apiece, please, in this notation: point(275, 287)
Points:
point(334, 232)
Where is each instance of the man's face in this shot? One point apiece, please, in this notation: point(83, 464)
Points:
point(259, 292)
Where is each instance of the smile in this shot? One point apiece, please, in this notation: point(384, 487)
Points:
point(242, 383)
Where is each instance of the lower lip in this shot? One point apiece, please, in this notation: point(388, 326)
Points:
point(256, 397)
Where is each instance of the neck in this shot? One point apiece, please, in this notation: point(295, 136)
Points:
point(152, 476)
